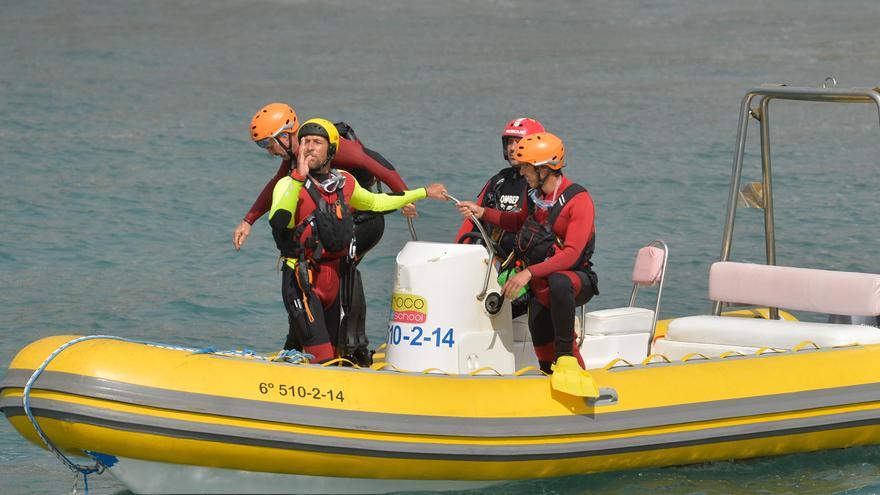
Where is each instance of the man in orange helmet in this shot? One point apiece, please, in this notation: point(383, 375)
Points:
point(272, 128)
point(555, 241)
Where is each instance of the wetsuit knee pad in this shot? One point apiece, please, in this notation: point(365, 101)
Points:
point(561, 287)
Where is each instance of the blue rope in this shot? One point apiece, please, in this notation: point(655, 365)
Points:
point(292, 356)
point(26, 404)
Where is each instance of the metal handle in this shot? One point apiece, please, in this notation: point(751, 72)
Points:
point(412, 230)
point(489, 248)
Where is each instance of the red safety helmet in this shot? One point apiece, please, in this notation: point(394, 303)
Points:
point(519, 128)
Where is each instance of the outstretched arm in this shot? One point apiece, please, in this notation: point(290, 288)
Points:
point(260, 207)
point(510, 221)
point(364, 200)
point(467, 225)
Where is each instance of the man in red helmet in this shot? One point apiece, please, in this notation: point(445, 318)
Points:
point(272, 128)
point(505, 191)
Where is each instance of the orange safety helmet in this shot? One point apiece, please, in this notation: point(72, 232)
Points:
point(541, 150)
point(272, 119)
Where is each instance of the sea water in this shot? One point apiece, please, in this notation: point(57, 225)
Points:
point(125, 162)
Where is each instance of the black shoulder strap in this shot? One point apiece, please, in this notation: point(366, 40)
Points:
point(310, 188)
point(566, 196)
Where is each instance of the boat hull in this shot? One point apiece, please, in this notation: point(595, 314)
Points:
point(167, 418)
point(164, 478)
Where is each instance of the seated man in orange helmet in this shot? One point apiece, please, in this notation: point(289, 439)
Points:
point(555, 241)
point(271, 129)
point(313, 228)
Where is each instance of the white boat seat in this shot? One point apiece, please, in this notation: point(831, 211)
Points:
point(757, 332)
point(618, 321)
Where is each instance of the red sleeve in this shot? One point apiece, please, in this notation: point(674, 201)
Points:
point(467, 225)
point(510, 221)
point(579, 213)
point(264, 200)
point(353, 155)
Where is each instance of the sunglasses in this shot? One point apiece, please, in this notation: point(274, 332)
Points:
point(265, 143)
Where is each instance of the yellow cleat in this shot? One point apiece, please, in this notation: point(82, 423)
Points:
point(569, 378)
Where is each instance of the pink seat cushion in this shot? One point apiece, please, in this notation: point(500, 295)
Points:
point(804, 289)
point(649, 265)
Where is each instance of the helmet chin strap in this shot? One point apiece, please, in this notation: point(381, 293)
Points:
point(289, 148)
point(542, 180)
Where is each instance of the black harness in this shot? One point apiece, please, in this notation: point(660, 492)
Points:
point(536, 241)
point(332, 227)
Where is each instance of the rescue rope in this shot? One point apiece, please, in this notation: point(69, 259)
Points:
point(77, 469)
point(290, 356)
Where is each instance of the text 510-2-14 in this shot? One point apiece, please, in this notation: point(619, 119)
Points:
point(301, 391)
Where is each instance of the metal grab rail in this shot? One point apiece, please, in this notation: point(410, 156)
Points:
point(767, 93)
point(412, 229)
point(488, 241)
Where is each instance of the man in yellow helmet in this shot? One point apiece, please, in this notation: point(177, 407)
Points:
point(313, 228)
point(274, 127)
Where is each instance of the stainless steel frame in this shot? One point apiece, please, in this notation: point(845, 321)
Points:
point(632, 298)
point(768, 93)
point(488, 242)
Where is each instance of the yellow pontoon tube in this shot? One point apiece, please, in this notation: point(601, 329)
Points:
point(154, 415)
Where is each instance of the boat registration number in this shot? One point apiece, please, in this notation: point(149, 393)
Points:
point(417, 336)
point(301, 391)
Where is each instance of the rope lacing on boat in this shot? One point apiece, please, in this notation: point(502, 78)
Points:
point(289, 356)
point(77, 469)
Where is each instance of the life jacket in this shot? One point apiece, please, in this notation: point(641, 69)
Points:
point(536, 242)
point(506, 191)
point(332, 227)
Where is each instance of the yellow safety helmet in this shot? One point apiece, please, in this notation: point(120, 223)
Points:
point(271, 120)
point(323, 128)
point(541, 150)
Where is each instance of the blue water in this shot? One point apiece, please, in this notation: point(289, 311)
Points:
point(125, 163)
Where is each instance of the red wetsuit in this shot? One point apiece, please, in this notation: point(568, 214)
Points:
point(574, 226)
point(557, 281)
point(351, 156)
point(317, 329)
point(313, 257)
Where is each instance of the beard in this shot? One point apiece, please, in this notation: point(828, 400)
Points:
point(314, 162)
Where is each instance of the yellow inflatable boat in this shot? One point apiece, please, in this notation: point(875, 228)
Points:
point(454, 402)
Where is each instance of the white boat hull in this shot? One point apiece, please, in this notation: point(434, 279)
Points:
point(147, 477)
